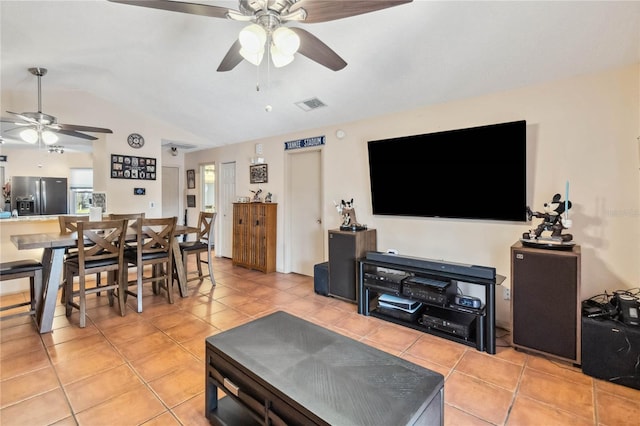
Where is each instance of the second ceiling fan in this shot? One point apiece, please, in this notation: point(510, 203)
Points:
point(267, 33)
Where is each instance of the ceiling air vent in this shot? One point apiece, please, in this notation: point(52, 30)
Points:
point(311, 104)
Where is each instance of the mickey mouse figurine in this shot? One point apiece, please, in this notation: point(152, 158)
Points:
point(552, 220)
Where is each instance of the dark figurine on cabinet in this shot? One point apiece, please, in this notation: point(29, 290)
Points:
point(552, 220)
point(348, 212)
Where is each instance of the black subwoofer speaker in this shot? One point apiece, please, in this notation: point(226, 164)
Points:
point(321, 278)
point(345, 248)
point(611, 351)
point(545, 301)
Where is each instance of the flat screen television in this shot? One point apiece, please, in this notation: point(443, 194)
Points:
point(471, 173)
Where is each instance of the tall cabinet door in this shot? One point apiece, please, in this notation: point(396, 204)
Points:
point(254, 235)
point(545, 301)
point(241, 234)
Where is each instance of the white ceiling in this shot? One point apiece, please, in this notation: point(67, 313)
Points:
point(426, 52)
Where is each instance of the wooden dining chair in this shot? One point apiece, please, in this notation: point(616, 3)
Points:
point(25, 268)
point(100, 249)
point(204, 243)
point(131, 219)
point(154, 247)
point(68, 224)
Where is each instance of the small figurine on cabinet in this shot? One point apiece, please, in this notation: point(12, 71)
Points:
point(348, 213)
point(552, 221)
point(268, 197)
point(256, 196)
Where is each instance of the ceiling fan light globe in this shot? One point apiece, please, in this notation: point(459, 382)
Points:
point(280, 58)
point(253, 57)
point(286, 40)
point(252, 38)
point(49, 138)
point(29, 135)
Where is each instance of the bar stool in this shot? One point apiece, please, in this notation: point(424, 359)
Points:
point(22, 269)
point(203, 244)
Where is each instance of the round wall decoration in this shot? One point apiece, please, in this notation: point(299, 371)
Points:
point(135, 140)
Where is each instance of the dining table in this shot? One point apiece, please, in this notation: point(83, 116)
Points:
point(55, 244)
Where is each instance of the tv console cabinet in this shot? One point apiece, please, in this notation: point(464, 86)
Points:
point(395, 269)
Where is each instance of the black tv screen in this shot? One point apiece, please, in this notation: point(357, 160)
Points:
point(472, 173)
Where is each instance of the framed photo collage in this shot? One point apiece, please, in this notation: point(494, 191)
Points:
point(130, 167)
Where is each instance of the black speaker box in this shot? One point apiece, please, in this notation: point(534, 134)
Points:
point(610, 351)
point(321, 278)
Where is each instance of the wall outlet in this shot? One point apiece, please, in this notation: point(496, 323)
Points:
point(506, 293)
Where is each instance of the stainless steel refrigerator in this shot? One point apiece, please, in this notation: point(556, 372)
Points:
point(31, 195)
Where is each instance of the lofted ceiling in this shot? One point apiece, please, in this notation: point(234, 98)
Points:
point(163, 64)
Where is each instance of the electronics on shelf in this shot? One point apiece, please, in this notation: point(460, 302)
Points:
point(385, 281)
point(468, 301)
point(430, 290)
point(451, 322)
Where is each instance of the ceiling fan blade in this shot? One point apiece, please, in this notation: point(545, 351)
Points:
point(231, 59)
point(76, 134)
point(73, 127)
point(329, 10)
point(23, 117)
point(7, 119)
point(316, 50)
point(178, 6)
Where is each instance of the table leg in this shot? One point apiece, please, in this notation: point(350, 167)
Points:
point(52, 261)
point(180, 271)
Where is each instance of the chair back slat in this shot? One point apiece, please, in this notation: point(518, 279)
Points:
point(101, 240)
point(68, 223)
point(130, 217)
point(155, 235)
point(206, 221)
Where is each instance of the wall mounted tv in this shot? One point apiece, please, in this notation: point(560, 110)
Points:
point(472, 173)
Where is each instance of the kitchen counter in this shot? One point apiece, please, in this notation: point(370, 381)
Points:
point(9, 252)
point(23, 219)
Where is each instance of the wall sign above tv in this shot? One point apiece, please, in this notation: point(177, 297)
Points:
point(471, 173)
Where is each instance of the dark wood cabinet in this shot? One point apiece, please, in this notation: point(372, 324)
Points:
point(345, 248)
point(545, 301)
point(254, 235)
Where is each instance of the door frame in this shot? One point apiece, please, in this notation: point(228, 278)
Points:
point(225, 217)
point(289, 214)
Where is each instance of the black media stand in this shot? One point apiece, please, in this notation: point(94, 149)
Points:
point(434, 284)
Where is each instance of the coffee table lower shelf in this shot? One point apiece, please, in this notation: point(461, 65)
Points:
point(229, 412)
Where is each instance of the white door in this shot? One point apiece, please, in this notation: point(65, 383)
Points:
point(306, 242)
point(171, 192)
point(224, 243)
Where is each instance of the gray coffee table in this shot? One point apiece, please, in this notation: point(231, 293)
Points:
point(281, 369)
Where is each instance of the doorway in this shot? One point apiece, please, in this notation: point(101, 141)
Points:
point(208, 190)
point(224, 243)
point(305, 247)
point(171, 192)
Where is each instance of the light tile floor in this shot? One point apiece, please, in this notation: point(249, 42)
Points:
point(148, 368)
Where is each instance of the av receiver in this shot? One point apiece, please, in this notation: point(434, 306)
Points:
point(384, 281)
point(451, 322)
point(432, 291)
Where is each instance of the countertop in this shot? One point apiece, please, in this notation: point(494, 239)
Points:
point(27, 219)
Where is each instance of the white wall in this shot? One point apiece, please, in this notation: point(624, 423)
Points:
point(583, 130)
point(81, 108)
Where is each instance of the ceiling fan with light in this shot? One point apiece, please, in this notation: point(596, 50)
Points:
point(38, 126)
point(267, 32)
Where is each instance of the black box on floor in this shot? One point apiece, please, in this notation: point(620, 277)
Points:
point(610, 351)
point(321, 278)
